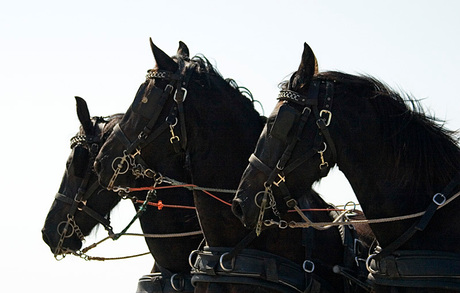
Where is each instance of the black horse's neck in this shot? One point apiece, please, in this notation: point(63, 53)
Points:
point(395, 158)
point(229, 127)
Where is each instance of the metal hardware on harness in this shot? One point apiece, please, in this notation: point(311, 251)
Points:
point(439, 199)
point(261, 212)
point(221, 263)
point(181, 282)
point(323, 163)
point(190, 259)
point(174, 138)
point(282, 179)
point(308, 266)
point(368, 263)
point(183, 97)
point(329, 116)
point(282, 224)
point(291, 95)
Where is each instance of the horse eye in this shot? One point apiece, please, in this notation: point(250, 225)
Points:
point(79, 161)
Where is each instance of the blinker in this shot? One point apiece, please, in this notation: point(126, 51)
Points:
point(141, 103)
point(80, 161)
point(284, 121)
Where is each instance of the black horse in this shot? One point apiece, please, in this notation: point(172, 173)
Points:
point(187, 120)
point(398, 160)
point(82, 203)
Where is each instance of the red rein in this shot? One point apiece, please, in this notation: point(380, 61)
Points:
point(160, 205)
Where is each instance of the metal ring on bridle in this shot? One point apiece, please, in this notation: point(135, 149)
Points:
point(172, 124)
point(257, 204)
point(119, 166)
point(325, 148)
point(368, 264)
point(221, 263)
point(181, 282)
point(190, 259)
point(66, 235)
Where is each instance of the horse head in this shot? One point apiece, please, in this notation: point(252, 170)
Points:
point(80, 203)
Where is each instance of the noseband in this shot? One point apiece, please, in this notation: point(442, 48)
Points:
point(131, 158)
point(85, 191)
point(322, 142)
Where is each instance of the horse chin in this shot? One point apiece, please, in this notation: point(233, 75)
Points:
point(72, 243)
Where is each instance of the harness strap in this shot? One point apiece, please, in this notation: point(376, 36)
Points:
point(145, 133)
point(124, 139)
point(179, 98)
point(253, 267)
point(84, 208)
point(428, 269)
point(438, 199)
point(256, 162)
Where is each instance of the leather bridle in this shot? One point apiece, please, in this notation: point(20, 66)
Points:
point(131, 158)
point(69, 227)
point(284, 166)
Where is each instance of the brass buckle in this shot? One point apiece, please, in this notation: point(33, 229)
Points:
point(327, 112)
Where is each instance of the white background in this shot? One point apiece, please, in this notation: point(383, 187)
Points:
point(51, 51)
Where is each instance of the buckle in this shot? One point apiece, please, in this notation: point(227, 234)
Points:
point(183, 96)
point(169, 88)
point(291, 203)
point(308, 266)
point(327, 112)
point(439, 199)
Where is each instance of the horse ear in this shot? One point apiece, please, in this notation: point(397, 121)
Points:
point(307, 68)
point(183, 50)
point(163, 60)
point(83, 115)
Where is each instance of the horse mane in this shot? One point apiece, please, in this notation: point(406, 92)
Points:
point(207, 70)
point(424, 153)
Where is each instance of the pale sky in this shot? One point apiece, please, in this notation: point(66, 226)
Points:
point(53, 50)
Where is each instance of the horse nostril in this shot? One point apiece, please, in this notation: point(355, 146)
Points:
point(237, 209)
